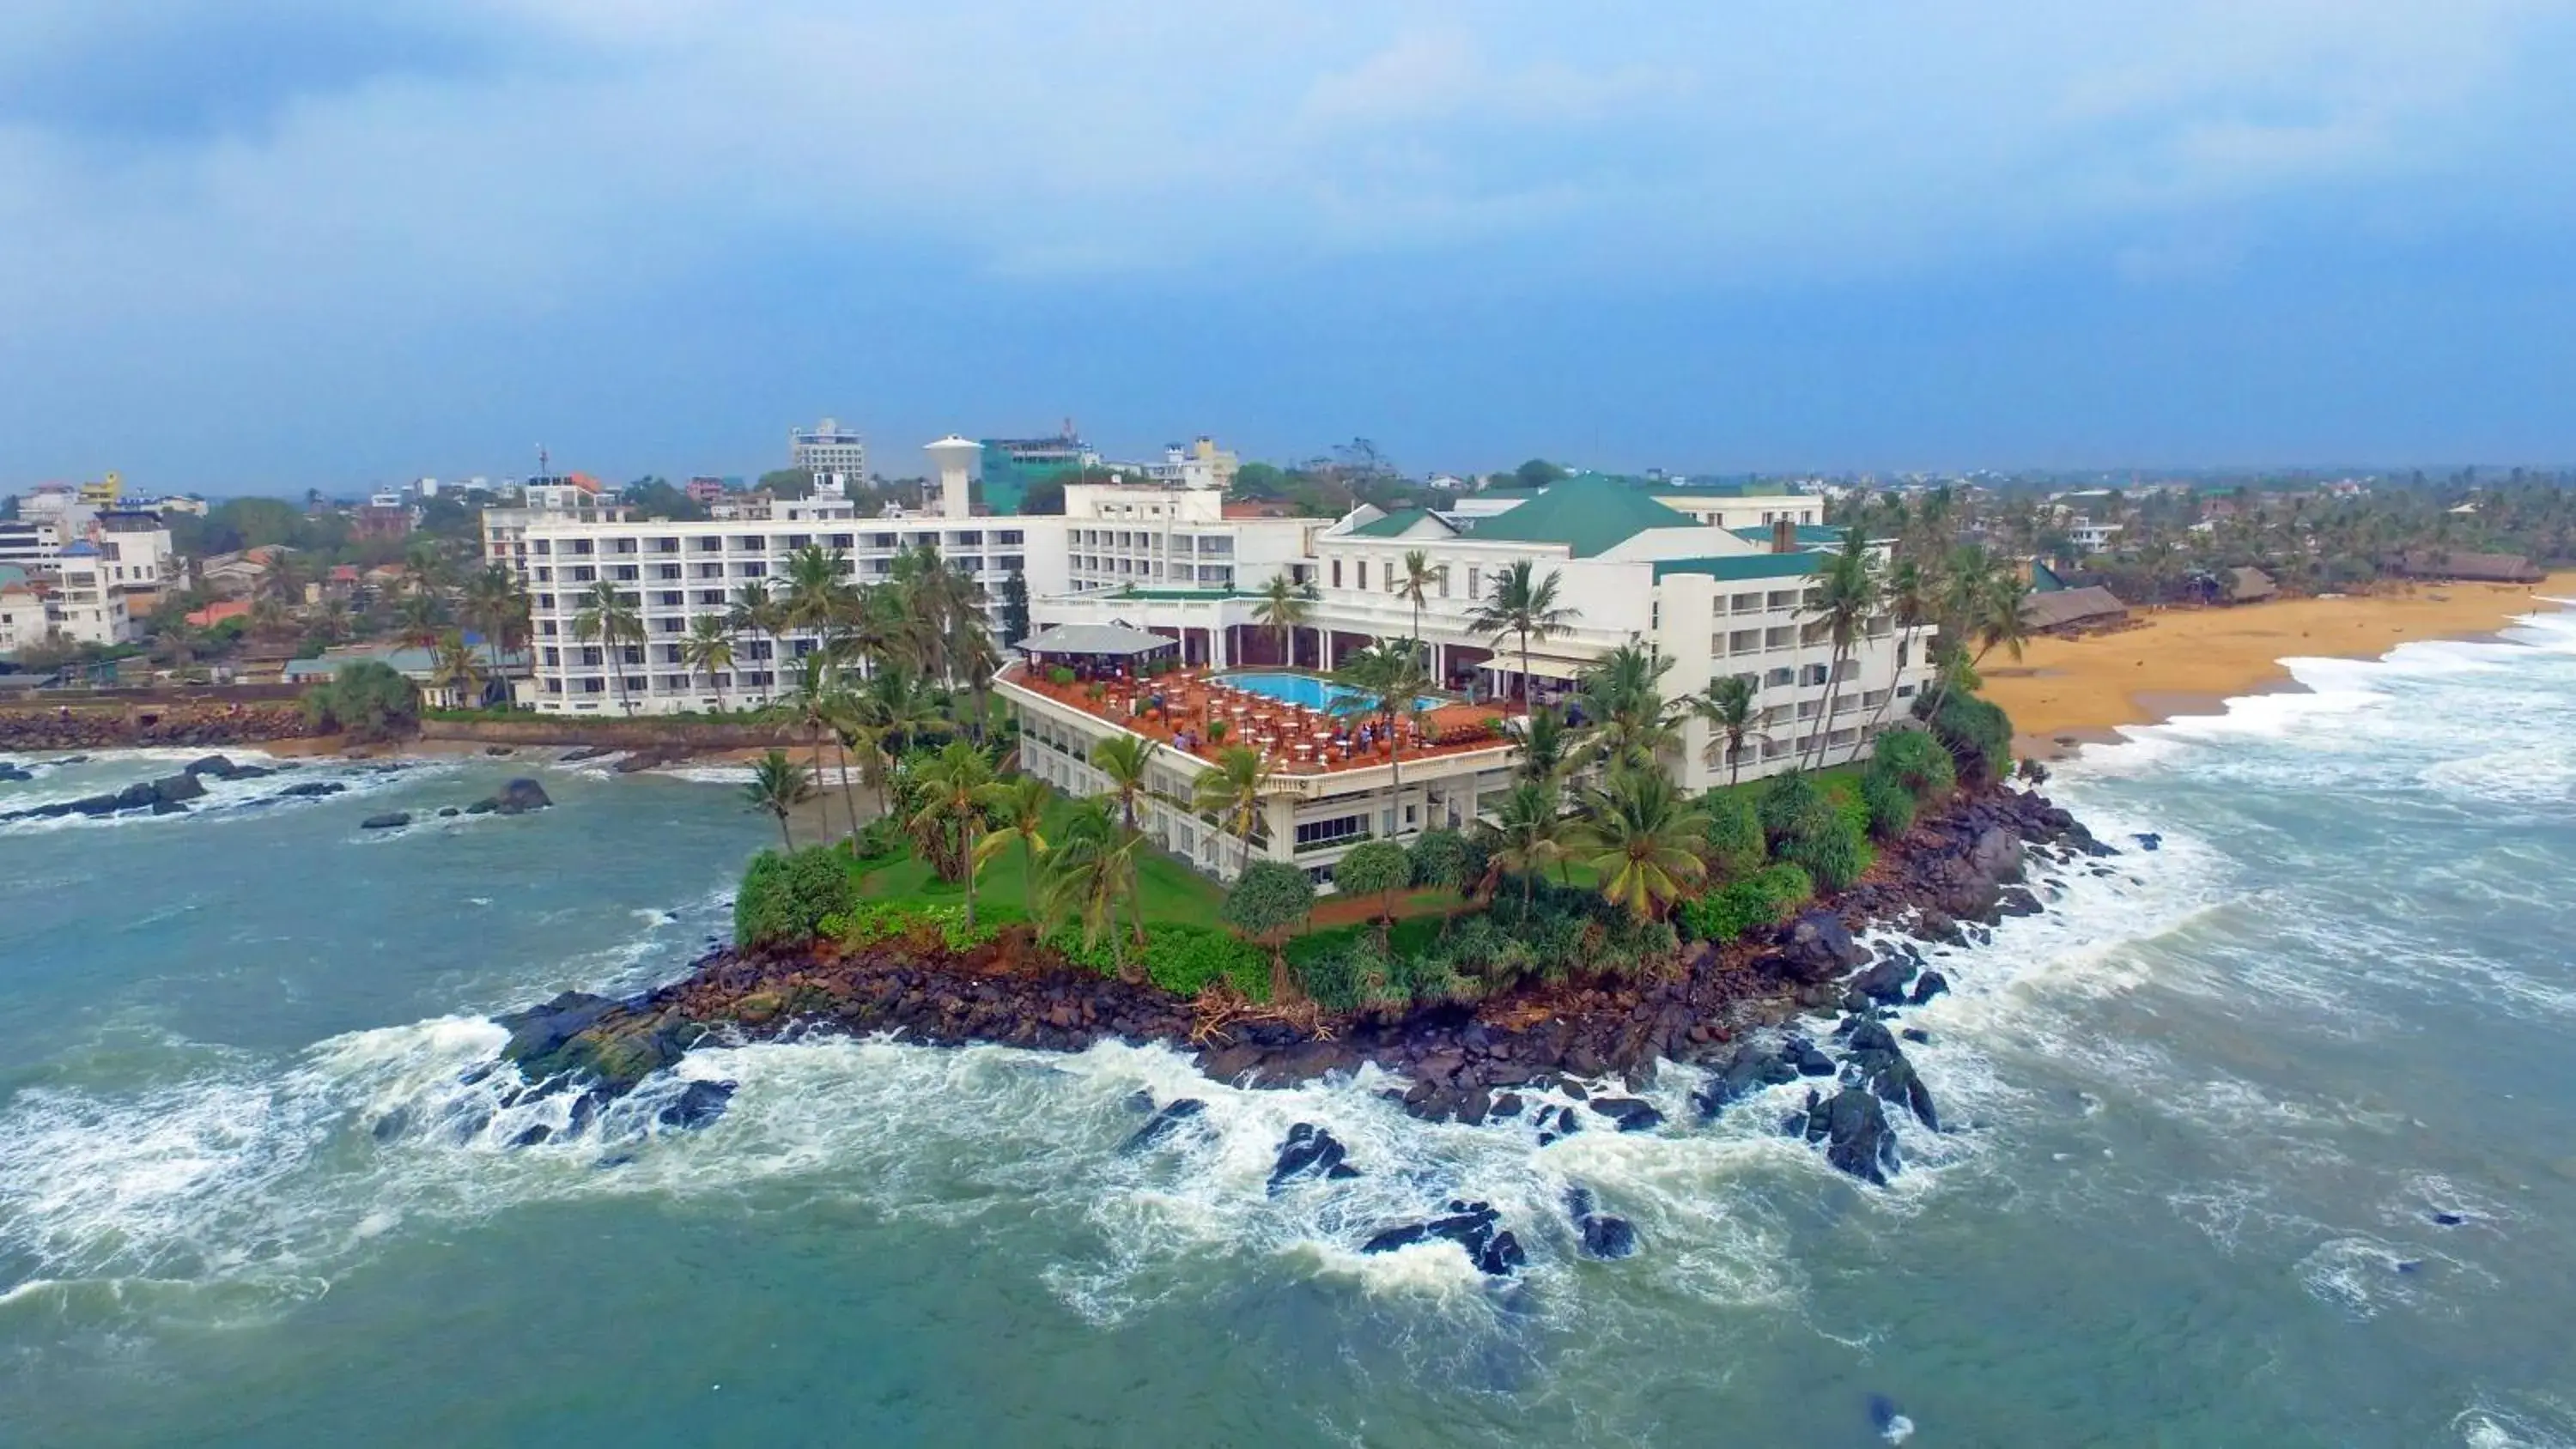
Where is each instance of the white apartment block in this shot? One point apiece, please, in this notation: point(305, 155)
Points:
point(674, 572)
point(31, 544)
point(135, 548)
point(829, 448)
point(87, 608)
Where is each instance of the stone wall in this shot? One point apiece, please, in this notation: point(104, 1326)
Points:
point(620, 734)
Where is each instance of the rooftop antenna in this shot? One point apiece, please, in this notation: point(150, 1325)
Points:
point(541, 460)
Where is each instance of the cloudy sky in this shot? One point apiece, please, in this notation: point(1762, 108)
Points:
point(278, 243)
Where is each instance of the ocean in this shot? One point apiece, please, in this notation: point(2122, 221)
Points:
point(2264, 1136)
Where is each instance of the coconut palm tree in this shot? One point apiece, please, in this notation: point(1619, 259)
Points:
point(1019, 805)
point(1728, 707)
point(1624, 693)
point(778, 785)
point(1283, 606)
point(1233, 791)
point(1849, 593)
point(708, 649)
point(2004, 618)
point(1644, 837)
point(1529, 836)
point(889, 709)
point(419, 618)
point(1125, 760)
point(1547, 750)
point(608, 619)
point(1414, 586)
point(1385, 680)
point(1091, 875)
point(757, 610)
point(817, 701)
point(1522, 605)
point(955, 788)
point(496, 604)
point(454, 667)
point(818, 592)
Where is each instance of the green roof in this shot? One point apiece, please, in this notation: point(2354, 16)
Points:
point(1589, 515)
point(1808, 533)
point(1395, 525)
point(1743, 566)
point(1519, 493)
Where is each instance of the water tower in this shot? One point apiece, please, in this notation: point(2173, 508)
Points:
point(951, 455)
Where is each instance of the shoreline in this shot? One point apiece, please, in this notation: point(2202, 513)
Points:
point(2069, 692)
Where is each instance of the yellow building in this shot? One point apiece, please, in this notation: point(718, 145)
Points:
point(102, 494)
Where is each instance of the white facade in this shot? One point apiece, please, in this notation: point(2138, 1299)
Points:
point(136, 551)
point(675, 572)
point(31, 544)
point(1156, 537)
point(827, 447)
point(24, 620)
point(1200, 465)
point(87, 608)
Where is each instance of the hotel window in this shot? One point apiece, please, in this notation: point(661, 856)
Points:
point(1473, 576)
point(1337, 573)
point(1363, 567)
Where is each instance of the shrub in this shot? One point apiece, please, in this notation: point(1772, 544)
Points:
point(1185, 960)
point(1378, 868)
point(1269, 897)
point(925, 927)
point(1978, 734)
point(1735, 845)
point(1914, 759)
point(1791, 806)
point(1757, 900)
point(1217, 729)
point(1833, 857)
point(1331, 976)
point(785, 899)
point(1440, 859)
point(1060, 676)
point(366, 700)
point(1891, 805)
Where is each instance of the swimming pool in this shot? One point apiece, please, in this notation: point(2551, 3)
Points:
point(1307, 689)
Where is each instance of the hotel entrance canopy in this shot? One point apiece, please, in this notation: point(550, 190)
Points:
point(1116, 641)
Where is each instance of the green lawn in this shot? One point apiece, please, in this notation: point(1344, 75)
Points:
point(1172, 891)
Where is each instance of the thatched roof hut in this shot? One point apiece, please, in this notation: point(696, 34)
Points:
point(2249, 586)
point(2486, 568)
point(2091, 607)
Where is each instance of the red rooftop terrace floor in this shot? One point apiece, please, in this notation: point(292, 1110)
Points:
point(1180, 709)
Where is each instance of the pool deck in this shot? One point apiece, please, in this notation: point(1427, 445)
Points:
point(1295, 739)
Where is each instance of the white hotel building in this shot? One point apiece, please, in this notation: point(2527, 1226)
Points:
point(1713, 581)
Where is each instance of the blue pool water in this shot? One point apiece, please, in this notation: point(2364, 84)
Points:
point(1309, 690)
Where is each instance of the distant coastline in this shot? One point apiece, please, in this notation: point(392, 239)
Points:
point(2067, 693)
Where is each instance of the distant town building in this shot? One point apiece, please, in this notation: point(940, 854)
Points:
point(87, 608)
point(1010, 466)
point(1200, 465)
point(705, 491)
point(30, 544)
point(381, 518)
point(829, 448)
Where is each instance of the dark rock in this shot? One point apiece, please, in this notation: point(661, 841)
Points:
point(2018, 901)
point(498, 750)
point(1885, 981)
point(1606, 1236)
point(1163, 1124)
point(541, 1029)
point(1508, 1105)
point(446, 811)
point(1817, 946)
point(1916, 1035)
point(2148, 840)
point(1927, 986)
point(518, 797)
point(394, 821)
point(1631, 1115)
point(698, 1104)
point(1997, 855)
point(1855, 1131)
point(1501, 1255)
point(1403, 1235)
point(2448, 1219)
point(215, 765)
point(1308, 1149)
point(168, 807)
point(1810, 1061)
point(312, 790)
point(586, 752)
point(532, 1136)
point(1566, 1123)
point(1139, 1100)
point(392, 1125)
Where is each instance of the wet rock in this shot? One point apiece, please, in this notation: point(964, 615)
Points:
point(1817, 946)
point(532, 1136)
point(1501, 1255)
point(1855, 1132)
point(518, 797)
point(13, 774)
point(543, 1028)
point(1508, 1105)
point(1608, 1236)
point(586, 752)
point(1809, 1059)
point(2148, 840)
point(215, 765)
point(2447, 1219)
point(312, 790)
point(1308, 1151)
point(1468, 1224)
point(1927, 986)
point(698, 1104)
point(392, 1125)
point(1163, 1124)
point(1885, 981)
point(394, 820)
point(448, 810)
point(1631, 1114)
point(1997, 855)
point(1917, 1035)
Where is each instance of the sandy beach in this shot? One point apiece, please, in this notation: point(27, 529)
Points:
point(2068, 692)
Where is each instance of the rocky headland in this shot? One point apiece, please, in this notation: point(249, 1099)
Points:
point(1733, 1012)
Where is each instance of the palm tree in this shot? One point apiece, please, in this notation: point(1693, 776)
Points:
point(1124, 759)
point(1233, 792)
point(1849, 594)
point(1020, 804)
point(609, 620)
point(1529, 836)
point(453, 666)
point(1414, 586)
point(1727, 705)
point(778, 785)
point(1624, 692)
point(1091, 874)
point(497, 606)
point(956, 788)
point(2004, 618)
point(1283, 606)
point(708, 649)
point(1547, 749)
point(1386, 680)
point(890, 707)
point(755, 610)
point(426, 568)
point(1644, 838)
point(1523, 605)
point(817, 592)
point(817, 702)
point(419, 618)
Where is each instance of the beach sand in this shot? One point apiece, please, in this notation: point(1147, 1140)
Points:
point(2068, 692)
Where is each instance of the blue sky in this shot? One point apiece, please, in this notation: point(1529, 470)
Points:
point(268, 244)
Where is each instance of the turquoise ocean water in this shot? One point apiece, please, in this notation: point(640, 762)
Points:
point(2266, 1137)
